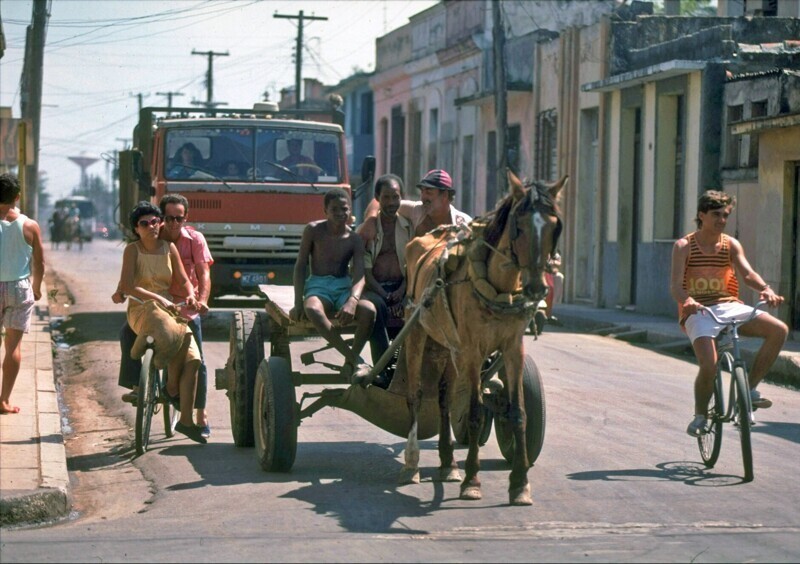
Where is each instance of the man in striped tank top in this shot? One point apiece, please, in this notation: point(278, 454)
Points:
point(704, 268)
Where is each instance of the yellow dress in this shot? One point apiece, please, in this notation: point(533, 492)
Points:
point(154, 273)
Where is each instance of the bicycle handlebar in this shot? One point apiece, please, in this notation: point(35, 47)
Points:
point(733, 322)
point(141, 301)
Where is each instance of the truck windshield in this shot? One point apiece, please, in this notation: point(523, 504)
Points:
point(252, 154)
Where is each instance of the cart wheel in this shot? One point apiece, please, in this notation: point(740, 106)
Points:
point(246, 352)
point(274, 416)
point(533, 395)
point(459, 416)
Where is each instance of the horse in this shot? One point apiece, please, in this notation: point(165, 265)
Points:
point(72, 232)
point(492, 281)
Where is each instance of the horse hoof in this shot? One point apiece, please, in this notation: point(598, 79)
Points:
point(521, 496)
point(471, 493)
point(449, 475)
point(408, 476)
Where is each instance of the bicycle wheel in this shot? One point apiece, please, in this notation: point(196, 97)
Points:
point(743, 418)
point(146, 402)
point(711, 442)
point(169, 413)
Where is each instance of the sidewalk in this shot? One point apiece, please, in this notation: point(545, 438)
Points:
point(664, 334)
point(33, 461)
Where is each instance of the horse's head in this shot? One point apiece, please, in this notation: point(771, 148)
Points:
point(534, 227)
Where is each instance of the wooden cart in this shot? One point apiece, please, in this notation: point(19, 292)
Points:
point(261, 388)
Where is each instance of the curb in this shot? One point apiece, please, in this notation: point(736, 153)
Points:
point(785, 370)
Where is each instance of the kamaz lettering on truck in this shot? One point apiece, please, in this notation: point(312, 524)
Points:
point(253, 178)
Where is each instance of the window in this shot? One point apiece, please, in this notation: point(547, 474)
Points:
point(252, 154)
point(758, 109)
point(547, 146)
point(512, 144)
point(491, 170)
point(433, 138)
point(733, 144)
point(398, 144)
point(415, 161)
point(366, 113)
point(467, 182)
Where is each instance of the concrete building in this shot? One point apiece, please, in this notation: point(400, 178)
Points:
point(434, 91)
point(665, 140)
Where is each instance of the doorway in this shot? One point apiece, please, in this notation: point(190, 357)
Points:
point(794, 278)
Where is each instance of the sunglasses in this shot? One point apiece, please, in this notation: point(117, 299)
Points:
point(151, 223)
point(176, 218)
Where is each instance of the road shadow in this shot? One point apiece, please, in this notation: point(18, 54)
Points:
point(79, 328)
point(354, 482)
point(690, 473)
point(787, 431)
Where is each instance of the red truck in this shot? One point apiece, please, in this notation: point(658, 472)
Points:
point(253, 177)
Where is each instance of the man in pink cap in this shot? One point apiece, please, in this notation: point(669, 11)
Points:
point(432, 210)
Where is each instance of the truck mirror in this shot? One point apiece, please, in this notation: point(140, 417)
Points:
point(368, 168)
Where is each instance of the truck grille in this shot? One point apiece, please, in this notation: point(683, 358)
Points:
point(291, 246)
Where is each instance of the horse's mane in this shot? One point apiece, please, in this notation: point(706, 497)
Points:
point(498, 217)
point(497, 220)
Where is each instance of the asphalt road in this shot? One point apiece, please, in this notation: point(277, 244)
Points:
point(617, 480)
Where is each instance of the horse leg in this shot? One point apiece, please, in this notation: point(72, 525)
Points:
point(414, 346)
point(519, 489)
point(448, 468)
point(471, 486)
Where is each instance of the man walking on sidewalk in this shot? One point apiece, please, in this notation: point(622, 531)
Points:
point(21, 255)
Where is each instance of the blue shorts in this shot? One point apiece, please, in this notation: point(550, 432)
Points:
point(333, 290)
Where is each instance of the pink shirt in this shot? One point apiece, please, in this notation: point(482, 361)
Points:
point(193, 249)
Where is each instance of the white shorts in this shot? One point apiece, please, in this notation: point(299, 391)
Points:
point(703, 325)
point(16, 304)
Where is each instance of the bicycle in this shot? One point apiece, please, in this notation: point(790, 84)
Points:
point(151, 400)
point(739, 409)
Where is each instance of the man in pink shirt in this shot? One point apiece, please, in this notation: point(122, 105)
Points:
point(197, 262)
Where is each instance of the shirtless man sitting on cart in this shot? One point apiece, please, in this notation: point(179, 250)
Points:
point(332, 292)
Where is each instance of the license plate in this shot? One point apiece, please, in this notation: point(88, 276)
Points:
point(254, 278)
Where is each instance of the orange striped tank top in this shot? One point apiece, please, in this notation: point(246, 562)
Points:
point(709, 278)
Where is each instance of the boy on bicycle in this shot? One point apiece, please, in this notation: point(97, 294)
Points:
point(704, 268)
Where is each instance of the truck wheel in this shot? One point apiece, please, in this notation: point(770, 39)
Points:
point(246, 352)
point(275, 427)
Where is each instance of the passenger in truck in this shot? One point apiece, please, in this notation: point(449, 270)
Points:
point(187, 161)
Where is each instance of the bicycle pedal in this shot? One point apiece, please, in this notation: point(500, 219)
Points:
point(307, 358)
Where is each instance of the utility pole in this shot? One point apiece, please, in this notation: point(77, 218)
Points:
point(31, 97)
point(115, 182)
point(500, 104)
point(298, 54)
point(210, 104)
point(169, 96)
point(138, 96)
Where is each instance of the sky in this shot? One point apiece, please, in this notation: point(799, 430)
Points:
point(100, 54)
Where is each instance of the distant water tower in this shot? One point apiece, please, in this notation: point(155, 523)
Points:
point(84, 163)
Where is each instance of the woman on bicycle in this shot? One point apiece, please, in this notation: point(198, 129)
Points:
point(149, 267)
point(704, 268)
